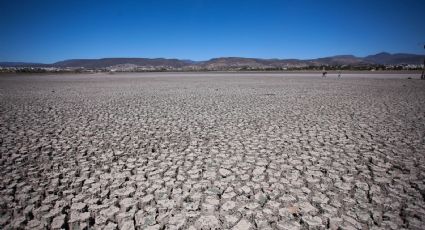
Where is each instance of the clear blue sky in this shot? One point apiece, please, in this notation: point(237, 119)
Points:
point(49, 31)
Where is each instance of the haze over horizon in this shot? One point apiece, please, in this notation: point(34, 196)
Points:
point(49, 31)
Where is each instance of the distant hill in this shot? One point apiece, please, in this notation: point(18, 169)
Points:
point(341, 60)
point(394, 59)
point(229, 62)
point(225, 62)
point(107, 62)
point(378, 59)
point(23, 64)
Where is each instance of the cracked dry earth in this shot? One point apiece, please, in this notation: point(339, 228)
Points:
point(211, 151)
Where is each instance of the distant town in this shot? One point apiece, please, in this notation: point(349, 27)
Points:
point(113, 69)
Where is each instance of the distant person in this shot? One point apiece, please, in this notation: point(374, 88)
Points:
point(324, 73)
point(339, 74)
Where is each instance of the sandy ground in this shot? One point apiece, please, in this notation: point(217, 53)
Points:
point(212, 151)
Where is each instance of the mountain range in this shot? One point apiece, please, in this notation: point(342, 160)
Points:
point(231, 62)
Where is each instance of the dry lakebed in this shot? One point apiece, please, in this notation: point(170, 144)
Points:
point(212, 151)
